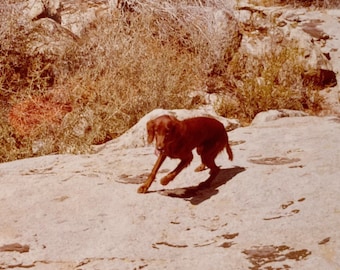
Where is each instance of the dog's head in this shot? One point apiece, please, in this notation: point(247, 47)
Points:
point(164, 129)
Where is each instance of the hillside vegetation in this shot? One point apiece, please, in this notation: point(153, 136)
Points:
point(125, 65)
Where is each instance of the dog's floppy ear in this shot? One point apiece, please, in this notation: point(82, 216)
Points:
point(150, 127)
point(175, 126)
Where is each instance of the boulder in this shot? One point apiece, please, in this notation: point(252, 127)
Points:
point(73, 15)
point(273, 115)
point(49, 38)
point(77, 16)
point(137, 136)
point(37, 9)
point(219, 28)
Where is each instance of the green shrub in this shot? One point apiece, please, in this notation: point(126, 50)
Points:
point(270, 81)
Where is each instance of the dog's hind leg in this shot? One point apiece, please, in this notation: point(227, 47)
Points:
point(229, 151)
point(208, 156)
point(184, 163)
point(202, 166)
point(144, 188)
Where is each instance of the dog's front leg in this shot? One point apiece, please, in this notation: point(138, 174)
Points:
point(184, 163)
point(144, 188)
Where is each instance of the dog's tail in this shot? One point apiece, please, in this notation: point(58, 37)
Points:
point(230, 153)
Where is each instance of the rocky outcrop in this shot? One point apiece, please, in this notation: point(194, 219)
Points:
point(275, 207)
point(268, 28)
point(262, 29)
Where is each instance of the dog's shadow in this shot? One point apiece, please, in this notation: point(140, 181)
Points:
point(205, 190)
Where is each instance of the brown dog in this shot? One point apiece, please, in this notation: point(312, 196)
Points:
point(177, 139)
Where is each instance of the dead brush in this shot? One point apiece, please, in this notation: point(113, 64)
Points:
point(126, 65)
point(120, 71)
point(134, 69)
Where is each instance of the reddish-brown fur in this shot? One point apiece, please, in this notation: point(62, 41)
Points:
point(177, 139)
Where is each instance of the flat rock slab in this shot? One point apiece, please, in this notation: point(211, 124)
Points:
point(275, 207)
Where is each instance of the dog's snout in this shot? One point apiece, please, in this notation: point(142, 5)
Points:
point(159, 145)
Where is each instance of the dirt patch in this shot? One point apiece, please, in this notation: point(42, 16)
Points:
point(274, 160)
point(274, 257)
point(130, 179)
point(15, 247)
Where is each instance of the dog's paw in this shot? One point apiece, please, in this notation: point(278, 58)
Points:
point(142, 189)
point(165, 180)
point(200, 168)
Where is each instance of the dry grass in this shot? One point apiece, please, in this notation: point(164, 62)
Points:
point(135, 72)
point(125, 66)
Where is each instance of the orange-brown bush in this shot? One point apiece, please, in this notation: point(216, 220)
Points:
point(27, 116)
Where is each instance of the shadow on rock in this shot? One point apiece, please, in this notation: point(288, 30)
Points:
point(205, 190)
